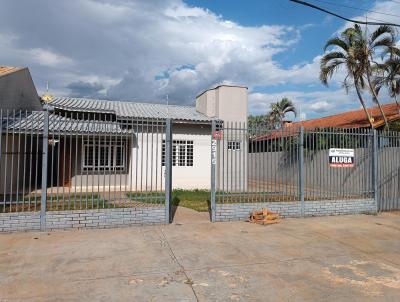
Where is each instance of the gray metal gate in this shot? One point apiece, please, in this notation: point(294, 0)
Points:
point(290, 168)
point(388, 171)
point(60, 162)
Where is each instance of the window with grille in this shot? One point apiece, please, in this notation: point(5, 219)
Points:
point(233, 145)
point(102, 156)
point(182, 153)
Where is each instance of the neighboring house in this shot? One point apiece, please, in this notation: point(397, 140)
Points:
point(118, 143)
point(17, 90)
point(352, 119)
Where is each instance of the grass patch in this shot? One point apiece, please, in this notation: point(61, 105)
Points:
point(197, 200)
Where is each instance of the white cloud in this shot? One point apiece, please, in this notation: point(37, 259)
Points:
point(321, 106)
point(144, 50)
point(314, 103)
point(132, 43)
point(48, 58)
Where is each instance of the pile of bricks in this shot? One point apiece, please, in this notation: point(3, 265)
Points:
point(264, 217)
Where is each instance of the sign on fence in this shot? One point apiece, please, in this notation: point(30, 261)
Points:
point(213, 151)
point(341, 158)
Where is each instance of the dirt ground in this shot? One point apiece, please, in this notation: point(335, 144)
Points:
point(346, 258)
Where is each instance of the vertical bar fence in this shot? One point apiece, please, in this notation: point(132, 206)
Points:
point(81, 161)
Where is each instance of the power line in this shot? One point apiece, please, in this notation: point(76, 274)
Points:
point(357, 8)
point(341, 17)
point(367, 16)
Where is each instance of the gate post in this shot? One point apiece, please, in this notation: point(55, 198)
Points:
point(44, 168)
point(213, 169)
point(375, 169)
point(168, 169)
point(301, 170)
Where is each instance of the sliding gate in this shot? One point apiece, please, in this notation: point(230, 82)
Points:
point(303, 173)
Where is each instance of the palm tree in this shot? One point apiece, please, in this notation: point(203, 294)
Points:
point(357, 51)
point(344, 56)
point(384, 38)
point(389, 76)
point(279, 110)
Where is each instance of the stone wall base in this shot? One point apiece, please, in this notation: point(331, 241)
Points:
point(80, 219)
point(241, 211)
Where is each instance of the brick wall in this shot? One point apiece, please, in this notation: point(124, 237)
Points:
point(25, 221)
point(104, 218)
point(241, 211)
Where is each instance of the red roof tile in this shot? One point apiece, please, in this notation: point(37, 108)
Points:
point(352, 119)
point(349, 119)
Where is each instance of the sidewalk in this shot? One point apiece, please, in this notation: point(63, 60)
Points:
point(346, 258)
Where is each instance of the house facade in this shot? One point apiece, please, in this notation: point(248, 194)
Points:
point(102, 145)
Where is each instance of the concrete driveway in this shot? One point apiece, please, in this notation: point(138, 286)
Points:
point(347, 258)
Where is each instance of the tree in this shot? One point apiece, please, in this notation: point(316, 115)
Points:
point(257, 121)
point(344, 57)
point(279, 110)
point(389, 76)
point(366, 48)
point(356, 53)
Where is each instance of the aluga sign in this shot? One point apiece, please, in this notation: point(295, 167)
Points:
point(341, 158)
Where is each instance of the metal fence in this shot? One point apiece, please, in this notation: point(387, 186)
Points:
point(388, 176)
point(82, 161)
point(324, 181)
point(292, 165)
point(255, 165)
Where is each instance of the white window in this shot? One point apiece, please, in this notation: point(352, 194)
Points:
point(182, 153)
point(102, 156)
point(233, 145)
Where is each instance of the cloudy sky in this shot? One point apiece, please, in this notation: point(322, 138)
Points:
point(146, 50)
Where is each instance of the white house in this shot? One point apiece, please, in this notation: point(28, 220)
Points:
point(191, 138)
point(83, 156)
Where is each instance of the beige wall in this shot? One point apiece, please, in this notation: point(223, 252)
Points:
point(17, 92)
point(227, 103)
point(198, 176)
point(145, 172)
point(149, 176)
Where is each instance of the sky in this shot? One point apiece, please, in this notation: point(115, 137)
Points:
point(135, 50)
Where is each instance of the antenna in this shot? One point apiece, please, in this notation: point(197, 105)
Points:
point(47, 97)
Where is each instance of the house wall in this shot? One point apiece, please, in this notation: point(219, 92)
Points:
point(17, 92)
point(144, 169)
point(227, 103)
point(90, 181)
point(198, 176)
point(147, 173)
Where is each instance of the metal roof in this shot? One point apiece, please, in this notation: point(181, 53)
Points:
point(129, 109)
point(33, 123)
